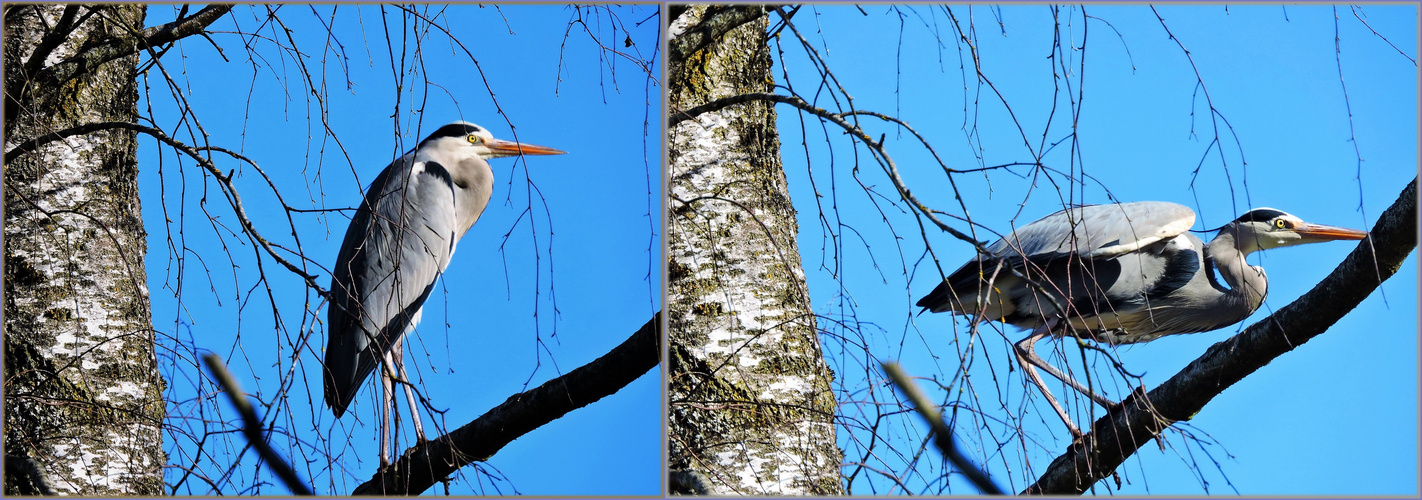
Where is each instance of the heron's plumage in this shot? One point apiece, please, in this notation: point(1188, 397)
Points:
point(1084, 257)
point(386, 269)
point(1118, 273)
point(398, 244)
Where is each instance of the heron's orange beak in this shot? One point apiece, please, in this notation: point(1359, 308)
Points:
point(1320, 232)
point(510, 148)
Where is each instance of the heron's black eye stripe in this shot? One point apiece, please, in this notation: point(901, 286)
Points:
point(1260, 215)
point(453, 130)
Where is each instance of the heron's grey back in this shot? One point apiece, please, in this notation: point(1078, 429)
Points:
point(1093, 232)
point(1091, 228)
point(398, 243)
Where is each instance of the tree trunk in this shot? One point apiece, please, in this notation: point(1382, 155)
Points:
point(83, 396)
point(751, 405)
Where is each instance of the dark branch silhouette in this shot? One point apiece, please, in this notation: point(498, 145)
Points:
point(942, 434)
point(427, 463)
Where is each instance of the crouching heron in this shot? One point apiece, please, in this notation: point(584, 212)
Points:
point(1120, 274)
point(399, 242)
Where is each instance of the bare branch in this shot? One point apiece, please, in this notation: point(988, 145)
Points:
point(57, 34)
point(942, 434)
point(120, 47)
point(252, 426)
point(427, 463)
point(225, 180)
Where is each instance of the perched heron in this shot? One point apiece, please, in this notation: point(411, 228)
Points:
point(397, 245)
point(1120, 274)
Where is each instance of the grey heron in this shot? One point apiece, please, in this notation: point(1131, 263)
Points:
point(1120, 274)
point(398, 243)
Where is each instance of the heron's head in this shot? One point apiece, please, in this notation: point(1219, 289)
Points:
point(1266, 228)
point(464, 139)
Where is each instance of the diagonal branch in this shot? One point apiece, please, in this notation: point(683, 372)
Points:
point(942, 433)
point(115, 48)
point(430, 462)
point(252, 426)
point(56, 35)
point(1142, 417)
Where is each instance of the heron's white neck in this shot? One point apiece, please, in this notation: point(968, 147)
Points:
point(1247, 284)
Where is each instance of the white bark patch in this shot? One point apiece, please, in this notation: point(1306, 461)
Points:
point(94, 464)
point(87, 289)
point(788, 387)
point(782, 470)
point(750, 318)
point(707, 146)
point(88, 332)
point(678, 26)
point(123, 389)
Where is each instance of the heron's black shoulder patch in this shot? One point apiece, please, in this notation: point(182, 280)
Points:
point(1180, 268)
point(1260, 215)
point(433, 168)
point(457, 129)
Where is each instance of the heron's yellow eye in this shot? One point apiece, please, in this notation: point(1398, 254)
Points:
point(1280, 223)
point(474, 139)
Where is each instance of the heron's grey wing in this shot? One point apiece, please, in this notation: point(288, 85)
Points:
point(1098, 230)
point(1181, 297)
point(1132, 294)
point(1092, 232)
point(399, 242)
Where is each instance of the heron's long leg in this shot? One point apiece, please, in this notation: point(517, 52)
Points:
point(399, 352)
point(1027, 358)
point(1053, 371)
point(387, 406)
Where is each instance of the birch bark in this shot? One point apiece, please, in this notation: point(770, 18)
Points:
point(83, 395)
point(751, 406)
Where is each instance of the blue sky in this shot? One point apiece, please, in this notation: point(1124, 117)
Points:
point(1339, 415)
point(562, 267)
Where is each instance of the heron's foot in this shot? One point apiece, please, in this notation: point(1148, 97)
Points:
point(389, 468)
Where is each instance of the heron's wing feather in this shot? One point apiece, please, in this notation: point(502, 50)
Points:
point(1091, 232)
point(1098, 230)
point(399, 242)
